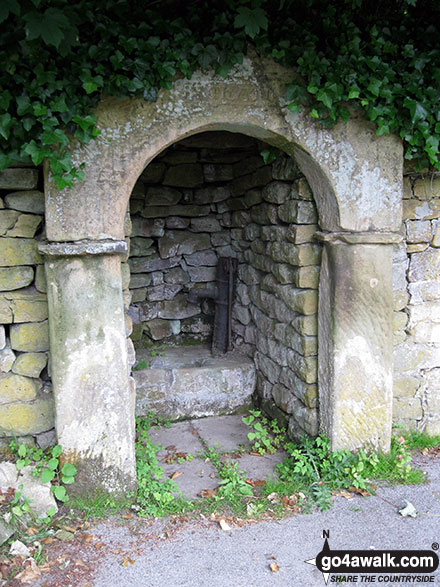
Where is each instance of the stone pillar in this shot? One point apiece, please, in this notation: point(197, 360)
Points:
point(355, 337)
point(94, 401)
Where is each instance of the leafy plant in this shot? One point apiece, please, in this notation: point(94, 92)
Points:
point(233, 482)
point(266, 437)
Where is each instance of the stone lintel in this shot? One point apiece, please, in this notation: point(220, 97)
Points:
point(83, 248)
point(359, 238)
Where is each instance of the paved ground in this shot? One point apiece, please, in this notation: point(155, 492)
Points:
point(198, 553)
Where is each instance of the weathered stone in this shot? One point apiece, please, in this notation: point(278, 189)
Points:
point(298, 255)
point(162, 292)
point(407, 409)
point(18, 251)
point(153, 173)
point(436, 229)
point(184, 176)
point(208, 224)
point(202, 274)
point(139, 246)
point(405, 385)
point(139, 280)
point(298, 211)
point(220, 239)
point(157, 277)
point(303, 420)
point(417, 248)
point(138, 294)
point(421, 210)
point(427, 188)
point(285, 168)
point(47, 439)
point(177, 222)
point(400, 320)
point(6, 531)
point(30, 337)
point(27, 418)
point(2, 337)
point(301, 190)
point(412, 357)
point(178, 308)
point(8, 218)
point(125, 275)
point(179, 156)
point(253, 197)
point(240, 218)
point(40, 495)
point(418, 231)
point(233, 204)
point(260, 177)
point(18, 179)
point(206, 258)
point(424, 291)
point(211, 194)
point(176, 275)
point(197, 325)
point(269, 368)
point(217, 172)
point(7, 358)
point(16, 388)
point(30, 364)
point(178, 210)
point(248, 165)
point(26, 226)
point(152, 263)
point(264, 214)
point(182, 243)
point(276, 192)
point(162, 196)
point(301, 233)
point(430, 390)
point(425, 266)
point(12, 278)
point(26, 305)
point(147, 228)
point(40, 279)
point(158, 329)
point(241, 313)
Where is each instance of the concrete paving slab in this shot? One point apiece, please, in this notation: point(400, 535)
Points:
point(259, 467)
point(228, 432)
point(179, 437)
point(193, 476)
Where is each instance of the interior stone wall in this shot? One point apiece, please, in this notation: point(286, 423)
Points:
point(26, 401)
point(209, 196)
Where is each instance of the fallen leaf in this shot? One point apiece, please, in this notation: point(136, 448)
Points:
point(181, 455)
point(208, 493)
point(224, 525)
point(127, 560)
point(19, 549)
point(176, 474)
point(274, 567)
point(409, 510)
point(128, 516)
point(85, 538)
point(273, 497)
point(359, 490)
point(48, 540)
point(30, 573)
point(69, 529)
point(99, 545)
point(31, 531)
point(343, 493)
point(255, 454)
point(64, 535)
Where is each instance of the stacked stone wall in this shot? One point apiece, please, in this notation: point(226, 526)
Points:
point(26, 402)
point(209, 196)
point(417, 305)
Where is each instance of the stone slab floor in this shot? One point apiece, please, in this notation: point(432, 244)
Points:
point(227, 435)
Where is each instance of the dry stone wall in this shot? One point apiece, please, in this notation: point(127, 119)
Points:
point(26, 402)
point(417, 305)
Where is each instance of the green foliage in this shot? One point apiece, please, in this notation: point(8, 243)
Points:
point(266, 436)
point(415, 439)
point(233, 482)
point(384, 59)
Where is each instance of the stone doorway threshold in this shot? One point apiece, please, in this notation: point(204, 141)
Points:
point(226, 434)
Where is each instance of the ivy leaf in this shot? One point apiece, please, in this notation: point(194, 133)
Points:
point(8, 6)
point(34, 152)
point(252, 20)
point(50, 26)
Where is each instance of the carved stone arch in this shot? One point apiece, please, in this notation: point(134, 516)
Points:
point(356, 181)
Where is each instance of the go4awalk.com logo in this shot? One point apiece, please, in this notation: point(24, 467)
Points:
point(378, 566)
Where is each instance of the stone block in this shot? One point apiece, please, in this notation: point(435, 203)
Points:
point(298, 212)
point(301, 190)
point(139, 246)
point(217, 172)
point(27, 418)
point(301, 233)
point(253, 197)
point(140, 280)
point(16, 388)
point(188, 210)
point(260, 177)
point(425, 266)
point(436, 229)
point(248, 165)
point(125, 275)
point(417, 248)
point(147, 228)
point(297, 255)
point(40, 279)
point(211, 194)
point(26, 305)
point(152, 263)
point(182, 243)
point(153, 173)
point(202, 274)
point(30, 364)
point(303, 420)
point(184, 176)
point(424, 291)
point(240, 218)
point(47, 439)
point(158, 329)
point(405, 385)
point(12, 278)
point(162, 292)
point(285, 168)
point(269, 368)
point(264, 214)
point(178, 156)
point(18, 251)
point(138, 294)
point(2, 337)
point(176, 275)
point(427, 188)
point(421, 210)
point(206, 258)
point(276, 192)
point(413, 357)
point(8, 218)
point(7, 359)
point(405, 408)
point(220, 239)
point(162, 196)
point(178, 308)
point(418, 231)
point(400, 320)
point(18, 178)
point(174, 222)
point(26, 226)
point(272, 233)
point(307, 325)
point(205, 224)
point(30, 337)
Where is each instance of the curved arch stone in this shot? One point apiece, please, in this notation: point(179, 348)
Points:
point(356, 179)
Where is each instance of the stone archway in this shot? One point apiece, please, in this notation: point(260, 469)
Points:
point(356, 180)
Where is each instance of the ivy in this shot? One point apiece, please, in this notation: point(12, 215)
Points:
point(59, 57)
